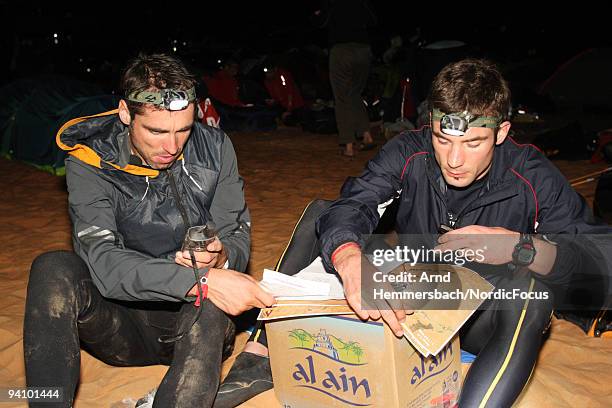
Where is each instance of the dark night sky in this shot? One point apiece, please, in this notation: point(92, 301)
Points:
point(115, 31)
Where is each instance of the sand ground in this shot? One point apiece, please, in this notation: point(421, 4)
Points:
point(283, 171)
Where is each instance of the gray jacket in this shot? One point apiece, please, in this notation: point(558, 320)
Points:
point(126, 222)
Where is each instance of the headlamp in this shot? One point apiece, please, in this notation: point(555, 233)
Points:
point(169, 99)
point(456, 124)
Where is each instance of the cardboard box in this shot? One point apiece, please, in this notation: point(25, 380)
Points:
point(340, 361)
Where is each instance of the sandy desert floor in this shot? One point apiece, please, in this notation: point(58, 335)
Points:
point(283, 171)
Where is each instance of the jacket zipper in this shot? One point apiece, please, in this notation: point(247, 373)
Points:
point(475, 204)
point(452, 220)
point(436, 187)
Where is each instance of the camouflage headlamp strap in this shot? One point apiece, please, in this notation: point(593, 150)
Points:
point(170, 99)
point(457, 124)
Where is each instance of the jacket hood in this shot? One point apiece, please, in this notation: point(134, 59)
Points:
point(101, 141)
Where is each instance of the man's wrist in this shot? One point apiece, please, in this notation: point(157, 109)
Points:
point(343, 251)
point(546, 256)
point(203, 288)
point(204, 274)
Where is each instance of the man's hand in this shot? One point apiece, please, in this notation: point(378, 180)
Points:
point(214, 256)
point(347, 261)
point(234, 292)
point(496, 244)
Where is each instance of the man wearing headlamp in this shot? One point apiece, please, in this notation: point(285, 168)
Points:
point(464, 178)
point(137, 178)
point(463, 144)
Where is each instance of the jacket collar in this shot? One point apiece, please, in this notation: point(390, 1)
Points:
point(101, 141)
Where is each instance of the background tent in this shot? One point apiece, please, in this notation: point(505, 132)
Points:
point(583, 80)
point(582, 86)
point(33, 110)
point(561, 108)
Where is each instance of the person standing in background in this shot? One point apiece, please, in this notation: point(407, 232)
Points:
point(347, 23)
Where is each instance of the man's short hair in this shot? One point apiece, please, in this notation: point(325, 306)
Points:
point(473, 85)
point(154, 72)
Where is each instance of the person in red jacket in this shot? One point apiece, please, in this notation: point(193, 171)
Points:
point(283, 90)
point(236, 114)
point(223, 85)
point(285, 94)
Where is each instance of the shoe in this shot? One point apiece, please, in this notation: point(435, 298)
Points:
point(367, 146)
point(250, 375)
point(147, 400)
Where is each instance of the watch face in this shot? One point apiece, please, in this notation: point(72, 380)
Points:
point(525, 255)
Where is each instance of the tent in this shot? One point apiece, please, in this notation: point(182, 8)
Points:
point(581, 88)
point(33, 110)
point(583, 80)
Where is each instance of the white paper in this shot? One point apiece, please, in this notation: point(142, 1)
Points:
point(311, 283)
point(279, 284)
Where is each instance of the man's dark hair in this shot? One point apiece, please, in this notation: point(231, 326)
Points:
point(475, 85)
point(151, 73)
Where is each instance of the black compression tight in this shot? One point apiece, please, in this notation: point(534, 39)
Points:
point(506, 337)
point(64, 311)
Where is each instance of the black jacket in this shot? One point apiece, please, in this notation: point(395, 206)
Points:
point(524, 192)
point(126, 221)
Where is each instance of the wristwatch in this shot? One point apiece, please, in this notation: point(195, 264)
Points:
point(523, 255)
point(524, 251)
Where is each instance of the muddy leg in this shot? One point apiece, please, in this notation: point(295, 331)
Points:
point(194, 374)
point(65, 310)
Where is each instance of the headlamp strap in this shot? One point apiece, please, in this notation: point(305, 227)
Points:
point(164, 97)
point(491, 122)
